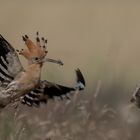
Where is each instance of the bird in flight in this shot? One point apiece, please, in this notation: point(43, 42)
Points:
point(17, 81)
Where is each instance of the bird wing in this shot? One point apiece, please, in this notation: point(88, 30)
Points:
point(10, 64)
point(48, 90)
point(42, 94)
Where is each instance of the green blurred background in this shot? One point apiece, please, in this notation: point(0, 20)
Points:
point(100, 37)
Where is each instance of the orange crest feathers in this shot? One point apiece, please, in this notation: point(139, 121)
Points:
point(34, 50)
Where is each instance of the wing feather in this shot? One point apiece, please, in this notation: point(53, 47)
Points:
point(49, 90)
point(10, 64)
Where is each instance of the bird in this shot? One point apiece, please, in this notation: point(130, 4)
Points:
point(135, 99)
point(17, 82)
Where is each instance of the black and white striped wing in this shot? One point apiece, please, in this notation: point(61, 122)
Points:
point(42, 94)
point(49, 90)
point(10, 65)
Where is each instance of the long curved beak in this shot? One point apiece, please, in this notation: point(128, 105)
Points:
point(53, 61)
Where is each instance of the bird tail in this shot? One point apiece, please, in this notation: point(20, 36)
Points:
point(80, 85)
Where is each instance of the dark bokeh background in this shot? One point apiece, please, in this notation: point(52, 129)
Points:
point(102, 38)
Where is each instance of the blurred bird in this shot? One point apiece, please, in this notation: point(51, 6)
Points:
point(135, 99)
point(26, 82)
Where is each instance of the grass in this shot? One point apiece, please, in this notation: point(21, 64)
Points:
point(82, 118)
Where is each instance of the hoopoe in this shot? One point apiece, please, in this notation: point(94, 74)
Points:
point(26, 79)
point(15, 79)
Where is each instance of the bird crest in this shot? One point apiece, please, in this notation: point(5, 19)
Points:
point(35, 51)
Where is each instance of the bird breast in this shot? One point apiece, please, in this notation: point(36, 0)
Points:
point(29, 79)
point(24, 82)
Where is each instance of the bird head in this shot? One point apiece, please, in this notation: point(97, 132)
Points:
point(35, 53)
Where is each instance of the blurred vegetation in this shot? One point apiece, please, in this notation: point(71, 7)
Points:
point(82, 118)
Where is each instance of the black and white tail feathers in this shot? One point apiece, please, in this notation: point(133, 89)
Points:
point(80, 80)
point(48, 90)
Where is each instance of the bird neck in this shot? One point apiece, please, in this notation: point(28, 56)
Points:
point(34, 68)
point(30, 62)
point(33, 73)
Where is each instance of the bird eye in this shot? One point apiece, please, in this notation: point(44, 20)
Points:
point(36, 58)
